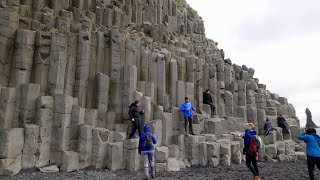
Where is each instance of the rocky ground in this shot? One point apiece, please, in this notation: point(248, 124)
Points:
point(269, 171)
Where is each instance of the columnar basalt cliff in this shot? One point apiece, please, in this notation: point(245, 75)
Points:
point(69, 69)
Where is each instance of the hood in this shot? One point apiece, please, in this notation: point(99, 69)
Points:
point(133, 104)
point(252, 132)
point(146, 128)
point(316, 136)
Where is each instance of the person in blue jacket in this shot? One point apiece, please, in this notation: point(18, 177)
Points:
point(251, 160)
point(187, 109)
point(146, 148)
point(310, 137)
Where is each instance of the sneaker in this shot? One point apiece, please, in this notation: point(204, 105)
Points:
point(193, 133)
point(146, 178)
point(256, 178)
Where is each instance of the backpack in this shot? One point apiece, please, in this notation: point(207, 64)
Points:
point(148, 143)
point(255, 144)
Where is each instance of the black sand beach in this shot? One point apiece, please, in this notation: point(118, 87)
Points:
point(269, 171)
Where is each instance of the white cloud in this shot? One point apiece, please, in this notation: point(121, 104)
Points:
point(279, 39)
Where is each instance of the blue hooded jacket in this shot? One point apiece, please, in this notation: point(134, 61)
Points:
point(142, 139)
point(312, 144)
point(184, 107)
point(247, 136)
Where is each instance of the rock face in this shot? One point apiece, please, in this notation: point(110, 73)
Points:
point(310, 123)
point(70, 69)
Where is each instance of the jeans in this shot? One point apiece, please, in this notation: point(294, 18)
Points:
point(213, 108)
point(188, 119)
point(148, 159)
point(251, 159)
point(311, 162)
point(135, 126)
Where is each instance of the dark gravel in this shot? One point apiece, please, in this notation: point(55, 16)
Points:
point(269, 171)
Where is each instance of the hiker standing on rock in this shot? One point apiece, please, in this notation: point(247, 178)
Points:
point(146, 148)
point(310, 137)
point(207, 99)
point(135, 113)
point(251, 150)
point(187, 109)
point(282, 123)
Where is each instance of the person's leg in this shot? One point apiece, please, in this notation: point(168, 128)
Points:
point(311, 162)
point(249, 159)
point(139, 126)
point(255, 165)
point(190, 125)
point(134, 129)
point(213, 109)
point(151, 161)
point(318, 162)
point(146, 164)
point(186, 125)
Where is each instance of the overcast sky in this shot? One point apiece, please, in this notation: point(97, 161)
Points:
point(280, 39)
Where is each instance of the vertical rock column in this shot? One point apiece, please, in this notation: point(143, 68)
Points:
point(116, 74)
point(71, 64)
point(82, 69)
point(173, 82)
point(22, 66)
point(92, 71)
point(58, 62)
point(198, 84)
point(44, 119)
point(41, 60)
point(161, 86)
point(102, 98)
point(9, 25)
point(7, 107)
point(60, 140)
point(129, 86)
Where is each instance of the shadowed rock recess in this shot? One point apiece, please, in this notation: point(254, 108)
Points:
point(69, 70)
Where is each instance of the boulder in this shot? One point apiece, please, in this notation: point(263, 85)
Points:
point(161, 154)
point(214, 162)
point(174, 151)
point(12, 142)
point(160, 167)
point(172, 165)
point(271, 151)
point(70, 161)
point(10, 166)
point(50, 169)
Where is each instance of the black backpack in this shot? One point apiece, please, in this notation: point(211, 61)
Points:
point(148, 143)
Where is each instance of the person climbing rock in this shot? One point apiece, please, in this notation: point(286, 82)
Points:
point(207, 99)
point(251, 158)
point(146, 148)
point(135, 113)
point(267, 127)
point(312, 140)
point(282, 123)
point(187, 109)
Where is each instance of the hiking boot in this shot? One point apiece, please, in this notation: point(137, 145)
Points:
point(192, 133)
point(145, 178)
point(152, 176)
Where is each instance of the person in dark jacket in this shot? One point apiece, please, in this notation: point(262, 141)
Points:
point(207, 99)
point(267, 127)
point(251, 160)
point(312, 140)
point(282, 123)
point(147, 152)
point(135, 113)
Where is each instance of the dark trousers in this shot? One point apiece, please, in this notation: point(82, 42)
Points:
point(251, 162)
point(135, 126)
point(186, 121)
point(311, 162)
point(213, 108)
point(284, 127)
